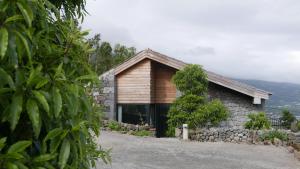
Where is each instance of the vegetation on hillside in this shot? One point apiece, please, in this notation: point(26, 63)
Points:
point(47, 120)
point(194, 107)
point(104, 56)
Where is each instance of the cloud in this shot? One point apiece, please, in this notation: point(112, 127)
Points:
point(255, 39)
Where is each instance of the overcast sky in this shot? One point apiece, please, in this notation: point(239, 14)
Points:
point(249, 39)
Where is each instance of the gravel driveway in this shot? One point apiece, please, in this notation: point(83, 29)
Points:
point(130, 152)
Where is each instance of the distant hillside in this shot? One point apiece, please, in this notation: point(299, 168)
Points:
point(285, 95)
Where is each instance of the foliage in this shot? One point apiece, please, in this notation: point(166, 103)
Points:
point(287, 118)
point(191, 80)
point(113, 125)
point(142, 133)
point(104, 57)
point(257, 121)
point(193, 107)
point(271, 135)
point(298, 125)
point(211, 113)
point(47, 120)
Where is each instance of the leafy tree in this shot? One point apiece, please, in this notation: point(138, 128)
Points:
point(287, 118)
point(104, 57)
point(192, 80)
point(47, 118)
point(193, 107)
point(257, 121)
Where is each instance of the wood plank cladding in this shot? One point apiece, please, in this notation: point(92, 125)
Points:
point(133, 85)
point(164, 89)
point(146, 82)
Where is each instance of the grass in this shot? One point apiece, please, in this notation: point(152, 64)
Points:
point(142, 133)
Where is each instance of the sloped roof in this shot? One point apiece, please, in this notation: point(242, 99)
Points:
point(177, 64)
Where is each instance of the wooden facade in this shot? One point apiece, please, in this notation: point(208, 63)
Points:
point(133, 85)
point(145, 83)
point(164, 89)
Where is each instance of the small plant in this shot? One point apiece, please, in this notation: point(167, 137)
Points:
point(113, 125)
point(257, 121)
point(142, 133)
point(271, 135)
point(287, 118)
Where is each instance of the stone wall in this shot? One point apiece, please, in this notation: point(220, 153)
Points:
point(221, 134)
point(105, 95)
point(237, 103)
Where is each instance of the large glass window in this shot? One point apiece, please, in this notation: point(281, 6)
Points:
point(136, 113)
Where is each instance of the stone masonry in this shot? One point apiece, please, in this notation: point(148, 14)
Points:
point(238, 104)
point(106, 94)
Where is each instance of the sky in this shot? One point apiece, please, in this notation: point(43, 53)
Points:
point(247, 39)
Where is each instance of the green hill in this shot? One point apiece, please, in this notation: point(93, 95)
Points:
point(284, 95)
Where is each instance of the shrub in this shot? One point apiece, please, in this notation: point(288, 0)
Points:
point(183, 109)
point(287, 118)
point(47, 117)
point(211, 113)
point(271, 135)
point(113, 125)
point(142, 133)
point(257, 121)
point(193, 107)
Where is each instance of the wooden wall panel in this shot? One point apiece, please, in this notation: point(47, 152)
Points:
point(133, 85)
point(164, 89)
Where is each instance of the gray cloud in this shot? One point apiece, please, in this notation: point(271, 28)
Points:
point(256, 39)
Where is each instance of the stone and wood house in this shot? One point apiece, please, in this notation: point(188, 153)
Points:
point(140, 91)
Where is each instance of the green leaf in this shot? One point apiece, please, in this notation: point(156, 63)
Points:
point(3, 41)
point(10, 165)
point(5, 90)
point(26, 46)
point(54, 144)
point(64, 153)
point(2, 142)
point(57, 101)
point(53, 133)
point(87, 77)
point(26, 12)
point(34, 116)
point(21, 165)
point(44, 158)
point(13, 18)
point(41, 83)
point(41, 98)
point(15, 110)
point(19, 146)
point(5, 77)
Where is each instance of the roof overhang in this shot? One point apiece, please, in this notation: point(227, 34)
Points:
point(257, 94)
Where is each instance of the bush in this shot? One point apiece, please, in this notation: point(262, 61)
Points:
point(287, 118)
point(113, 125)
point(257, 121)
point(47, 116)
point(193, 107)
point(211, 113)
point(271, 135)
point(142, 133)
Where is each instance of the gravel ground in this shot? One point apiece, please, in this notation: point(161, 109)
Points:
point(130, 152)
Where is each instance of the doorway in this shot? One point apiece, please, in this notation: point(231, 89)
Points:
point(161, 111)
